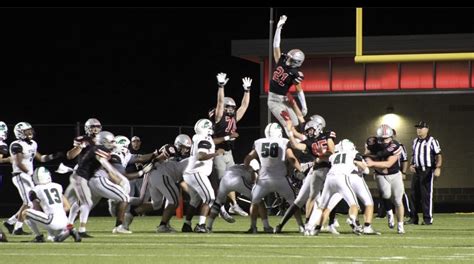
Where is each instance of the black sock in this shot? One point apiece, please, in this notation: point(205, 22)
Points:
point(132, 210)
point(162, 223)
point(366, 224)
point(190, 213)
point(288, 214)
point(332, 217)
point(118, 222)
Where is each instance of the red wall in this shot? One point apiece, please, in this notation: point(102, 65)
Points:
point(347, 76)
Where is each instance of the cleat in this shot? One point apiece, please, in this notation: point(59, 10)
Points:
point(75, 235)
point(332, 229)
point(426, 223)
point(9, 227)
point(252, 230)
point(235, 209)
point(84, 235)
point(62, 236)
point(311, 232)
point(336, 223)
point(38, 239)
point(186, 228)
point(268, 230)
point(20, 232)
point(390, 221)
point(358, 230)
point(301, 229)
point(120, 230)
point(226, 216)
point(165, 229)
point(277, 229)
point(411, 221)
point(201, 228)
point(400, 230)
point(368, 230)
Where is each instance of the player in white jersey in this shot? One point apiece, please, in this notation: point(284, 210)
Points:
point(120, 158)
point(343, 164)
point(198, 170)
point(3, 152)
point(48, 209)
point(22, 152)
point(272, 151)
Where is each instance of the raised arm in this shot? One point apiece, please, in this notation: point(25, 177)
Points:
point(221, 81)
point(246, 83)
point(277, 39)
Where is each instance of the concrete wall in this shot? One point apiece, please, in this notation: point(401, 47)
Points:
point(450, 116)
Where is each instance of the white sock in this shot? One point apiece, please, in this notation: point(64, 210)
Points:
point(202, 219)
point(82, 229)
point(400, 224)
point(265, 223)
point(390, 212)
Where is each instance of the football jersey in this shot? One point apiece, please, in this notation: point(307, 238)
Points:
point(272, 155)
point(391, 149)
point(88, 163)
point(51, 198)
point(225, 127)
point(201, 144)
point(28, 149)
point(283, 77)
point(342, 162)
point(319, 146)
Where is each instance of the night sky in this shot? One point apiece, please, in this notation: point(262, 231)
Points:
point(62, 65)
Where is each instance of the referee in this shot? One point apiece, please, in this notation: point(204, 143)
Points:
point(426, 162)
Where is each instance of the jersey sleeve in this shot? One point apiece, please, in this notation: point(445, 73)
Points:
point(16, 148)
point(394, 148)
point(115, 159)
point(204, 145)
point(436, 147)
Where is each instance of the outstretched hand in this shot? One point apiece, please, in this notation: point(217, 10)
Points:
point(246, 83)
point(221, 79)
point(282, 21)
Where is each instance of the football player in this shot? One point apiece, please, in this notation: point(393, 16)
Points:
point(22, 152)
point(48, 209)
point(197, 172)
point(78, 191)
point(387, 170)
point(226, 117)
point(273, 152)
point(285, 75)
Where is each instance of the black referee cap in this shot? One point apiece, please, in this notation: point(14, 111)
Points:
point(422, 124)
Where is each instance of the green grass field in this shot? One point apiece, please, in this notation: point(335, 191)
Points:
point(449, 239)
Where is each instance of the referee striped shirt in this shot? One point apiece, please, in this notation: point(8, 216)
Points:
point(424, 152)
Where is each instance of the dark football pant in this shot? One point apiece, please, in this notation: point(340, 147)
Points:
point(422, 194)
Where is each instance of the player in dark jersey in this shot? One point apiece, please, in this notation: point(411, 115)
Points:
point(285, 75)
point(80, 199)
point(320, 143)
point(225, 118)
point(387, 170)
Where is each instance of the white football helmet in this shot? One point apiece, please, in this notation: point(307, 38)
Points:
point(41, 175)
point(203, 127)
point(314, 125)
point(384, 131)
point(295, 58)
point(121, 144)
point(345, 145)
point(106, 139)
point(92, 127)
point(21, 131)
point(229, 106)
point(183, 143)
point(321, 123)
point(273, 130)
point(3, 131)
